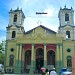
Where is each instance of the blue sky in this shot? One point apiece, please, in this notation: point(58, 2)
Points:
point(30, 7)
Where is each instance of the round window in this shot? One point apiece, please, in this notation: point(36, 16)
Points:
point(68, 50)
point(12, 49)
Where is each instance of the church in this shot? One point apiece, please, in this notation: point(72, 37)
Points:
point(27, 52)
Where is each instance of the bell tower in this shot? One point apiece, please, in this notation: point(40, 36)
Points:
point(66, 23)
point(66, 16)
point(16, 17)
point(15, 27)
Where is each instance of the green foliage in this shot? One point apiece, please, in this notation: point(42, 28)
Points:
point(1, 48)
point(1, 58)
point(2, 52)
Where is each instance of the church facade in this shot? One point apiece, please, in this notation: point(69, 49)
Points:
point(27, 52)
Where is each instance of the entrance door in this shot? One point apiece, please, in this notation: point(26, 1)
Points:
point(51, 58)
point(39, 59)
point(39, 64)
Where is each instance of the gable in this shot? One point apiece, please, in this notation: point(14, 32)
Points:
point(41, 30)
point(67, 27)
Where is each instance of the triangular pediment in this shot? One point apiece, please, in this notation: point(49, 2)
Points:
point(40, 30)
point(68, 27)
point(13, 26)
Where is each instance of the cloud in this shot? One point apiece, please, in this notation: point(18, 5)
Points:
point(24, 4)
point(49, 11)
point(29, 7)
point(30, 23)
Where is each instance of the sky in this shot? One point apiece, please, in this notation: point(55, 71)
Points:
point(30, 7)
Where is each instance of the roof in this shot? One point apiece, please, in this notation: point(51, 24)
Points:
point(45, 28)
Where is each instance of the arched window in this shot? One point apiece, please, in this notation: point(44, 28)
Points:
point(66, 17)
point(69, 61)
point(15, 18)
point(67, 34)
point(13, 34)
point(11, 60)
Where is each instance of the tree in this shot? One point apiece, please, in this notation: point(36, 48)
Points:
point(1, 58)
point(2, 49)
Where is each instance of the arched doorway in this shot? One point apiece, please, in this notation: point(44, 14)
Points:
point(51, 58)
point(27, 61)
point(39, 59)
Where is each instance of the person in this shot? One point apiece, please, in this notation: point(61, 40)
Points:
point(47, 72)
point(53, 72)
point(43, 71)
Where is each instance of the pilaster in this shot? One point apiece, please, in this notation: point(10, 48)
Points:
point(18, 59)
point(5, 56)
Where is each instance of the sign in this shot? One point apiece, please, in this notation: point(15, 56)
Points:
point(41, 13)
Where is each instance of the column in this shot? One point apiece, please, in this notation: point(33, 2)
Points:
point(57, 52)
point(23, 56)
point(20, 58)
point(32, 60)
point(45, 56)
point(60, 55)
point(57, 58)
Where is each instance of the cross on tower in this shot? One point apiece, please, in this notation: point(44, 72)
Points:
point(39, 22)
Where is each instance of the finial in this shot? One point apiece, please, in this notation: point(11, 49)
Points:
point(71, 8)
point(60, 8)
point(39, 22)
point(21, 8)
point(11, 9)
point(17, 8)
point(65, 6)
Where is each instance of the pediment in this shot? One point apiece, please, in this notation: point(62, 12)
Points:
point(40, 31)
point(13, 27)
point(68, 27)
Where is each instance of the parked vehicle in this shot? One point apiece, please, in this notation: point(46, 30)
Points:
point(1, 68)
point(63, 70)
point(66, 73)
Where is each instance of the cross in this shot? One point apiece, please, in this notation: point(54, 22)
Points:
point(39, 22)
